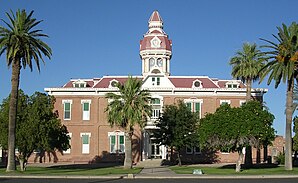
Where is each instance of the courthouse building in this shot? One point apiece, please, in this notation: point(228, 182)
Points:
point(81, 104)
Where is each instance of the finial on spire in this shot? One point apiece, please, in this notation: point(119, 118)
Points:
point(155, 21)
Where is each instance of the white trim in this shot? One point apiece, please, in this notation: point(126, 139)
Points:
point(85, 147)
point(117, 145)
point(194, 101)
point(197, 80)
point(225, 101)
point(113, 80)
point(63, 103)
point(189, 152)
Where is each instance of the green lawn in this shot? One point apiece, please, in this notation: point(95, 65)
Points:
point(72, 171)
point(231, 170)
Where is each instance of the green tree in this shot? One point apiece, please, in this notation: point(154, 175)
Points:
point(283, 67)
point(233, 129)
point(22, 44)
point(38, 127)
point(128, 108)
point(177, 128)
point(247, 64)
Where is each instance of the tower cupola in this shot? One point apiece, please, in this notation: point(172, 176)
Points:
point(155, 48)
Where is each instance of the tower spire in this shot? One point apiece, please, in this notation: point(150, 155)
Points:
point(155, 22)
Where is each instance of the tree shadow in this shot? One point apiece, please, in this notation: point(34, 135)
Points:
point(254, 166)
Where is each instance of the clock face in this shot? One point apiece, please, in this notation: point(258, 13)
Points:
point(151, 62)
point(159, 62)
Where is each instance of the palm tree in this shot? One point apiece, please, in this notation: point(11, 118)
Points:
point(22, 45)
point(128, 108)
point(283, 67)
point(246, 65)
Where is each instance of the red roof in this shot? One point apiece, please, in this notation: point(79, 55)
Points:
point(165, 43)
point(105, 82)
point(187, 82)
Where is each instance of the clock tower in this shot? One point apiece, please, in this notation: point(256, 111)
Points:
point(155, 48)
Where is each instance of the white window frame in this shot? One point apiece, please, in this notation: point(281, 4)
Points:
point(80, 83)
point(187, 148)
point(193, 107)
point(86, 114)
point(232, 84)
point(111, 82)
point(85, 147)
point(63, 103)
point(197, 152)
point(68, 150)
point(117, 145)
point(193, 84)
point(157, 110)
point(225, 101)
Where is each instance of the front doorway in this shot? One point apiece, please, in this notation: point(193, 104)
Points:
point(155, 150)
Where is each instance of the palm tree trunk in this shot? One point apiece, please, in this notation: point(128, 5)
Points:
point(248, 89)
point(239, 161)
point(289, 116)
point(15, 78)
point(128, 153)
point(248, 149)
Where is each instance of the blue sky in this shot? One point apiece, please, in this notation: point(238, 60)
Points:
point(101, 37)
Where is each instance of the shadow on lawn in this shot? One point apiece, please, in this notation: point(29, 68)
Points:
point(85, 166)
point(254, 166)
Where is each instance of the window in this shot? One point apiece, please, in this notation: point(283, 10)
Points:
point(222, 102)
point(189, 150)
point(68, 150)
point(86, 109)
point(194, 105)
point(197, 150)
point(67, 109)
point(197, 84)
point(155, 81)
point(116, 141)
point(113, 83)
point(232, 84)
point(156, 108)
point(85, 142)
point(79, 84)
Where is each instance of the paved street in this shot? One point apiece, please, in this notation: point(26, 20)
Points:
point(290, 180)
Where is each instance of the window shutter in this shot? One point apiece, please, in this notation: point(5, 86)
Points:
point(86, 106)
point(197, 107)
point(188, 105)
point(85, 139)
point(67, 106)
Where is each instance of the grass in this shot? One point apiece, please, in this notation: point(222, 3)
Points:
point(61, 170)
point(275, 170)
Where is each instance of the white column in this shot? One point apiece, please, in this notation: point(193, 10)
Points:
point(163, 152)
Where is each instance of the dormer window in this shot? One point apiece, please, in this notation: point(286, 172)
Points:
point(79, 84)
point(197, 84)
point(113, 83)
point(232, 85)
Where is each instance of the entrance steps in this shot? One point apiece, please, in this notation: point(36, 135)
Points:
point(150, 163)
